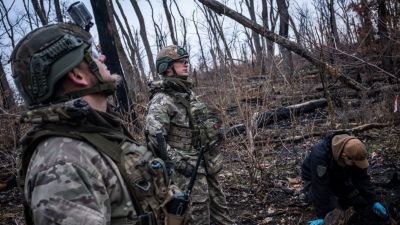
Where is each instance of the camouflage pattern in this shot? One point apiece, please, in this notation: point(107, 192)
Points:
point(166, 113)
point(69, 182)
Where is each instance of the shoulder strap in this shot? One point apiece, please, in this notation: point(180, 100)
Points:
point(113, 150)
point(101, 144)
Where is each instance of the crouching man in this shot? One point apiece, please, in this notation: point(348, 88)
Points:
point(335, 175)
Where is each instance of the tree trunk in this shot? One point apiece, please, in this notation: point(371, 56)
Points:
point(222, 9)
point(256, 37)
point(132, 77)
point(40, 12)
point(6, 96)
point(169, 20)
point(108, 46)
point(58, 11)
point(219, 29)
point(132, 46)
point(384, 40)
point(284, 32)
point(200, 43)
point(144, 38)
point(332, 22)
point(184, 43)
point(160, 38)
point(283, 113)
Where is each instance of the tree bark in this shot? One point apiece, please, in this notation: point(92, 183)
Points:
point(109, 47)
point(58, 11)
point(143, 35)
point(184, 43)
point(6, 96)
point(292, 46)
point(283, 113)
point(132, 77)
point(40, 12)
point(200, 43)
point(284, 32)
point(384, 40)
point(169, 20)
point(256, 38)
point(136, 61)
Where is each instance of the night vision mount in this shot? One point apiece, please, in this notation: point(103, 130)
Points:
point(80, 15)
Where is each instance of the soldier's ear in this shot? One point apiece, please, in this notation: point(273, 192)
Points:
point(168, 71)
point(79, 77)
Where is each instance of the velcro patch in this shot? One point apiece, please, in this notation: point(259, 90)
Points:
point(321, 170)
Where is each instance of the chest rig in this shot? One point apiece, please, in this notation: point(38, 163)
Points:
point(144, 175)
point(203, 130)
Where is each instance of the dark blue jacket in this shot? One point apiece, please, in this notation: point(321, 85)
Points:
point(349, 184)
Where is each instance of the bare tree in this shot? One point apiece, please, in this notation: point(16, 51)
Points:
point(161, 40)
point(105, 31)
point(256, 38)
point(290, 45)
point(218, 27)
point(384, 41)
point(184, 33)
point(144, 38)
point(27, 10)
point(39, 9)
point(6, 97)
point(169, 20)
point(284, 32)
point(131, 75)
point(204, 62)
point(58, 11)
point(268, 18)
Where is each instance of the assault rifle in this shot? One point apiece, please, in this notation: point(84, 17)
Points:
point(180, 202)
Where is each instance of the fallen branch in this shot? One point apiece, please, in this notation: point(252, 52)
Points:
point(283, 113)
point(284, 42)
point(357, 129)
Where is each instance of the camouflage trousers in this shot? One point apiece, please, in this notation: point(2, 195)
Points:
point(208, 202)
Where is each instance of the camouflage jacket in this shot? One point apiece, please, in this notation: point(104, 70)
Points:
point(178, 122)
point(68, 181)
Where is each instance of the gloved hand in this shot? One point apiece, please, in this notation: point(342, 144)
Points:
point(170, 166)
point(184, 168)
point(316, 222)
point(379, 210)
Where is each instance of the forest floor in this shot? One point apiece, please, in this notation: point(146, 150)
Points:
point(261, 176)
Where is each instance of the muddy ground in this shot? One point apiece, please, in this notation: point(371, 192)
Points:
point(261, 178)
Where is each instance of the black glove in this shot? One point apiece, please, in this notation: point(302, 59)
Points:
point(184, 168)
point(169, 166)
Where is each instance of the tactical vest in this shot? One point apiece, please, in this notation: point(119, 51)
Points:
point(144, 174)
point(203, 128)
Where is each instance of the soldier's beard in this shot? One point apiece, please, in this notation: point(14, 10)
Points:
point(115, 79)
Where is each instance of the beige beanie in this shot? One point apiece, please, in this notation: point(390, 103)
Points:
point(353, 147)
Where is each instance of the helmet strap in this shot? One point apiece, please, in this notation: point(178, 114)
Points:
point(106, 88)
point(93, 66)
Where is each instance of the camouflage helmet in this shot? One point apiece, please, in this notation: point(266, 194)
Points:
point(168, 55)
point(45, 56)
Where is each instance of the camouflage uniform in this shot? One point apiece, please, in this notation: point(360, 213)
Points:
point(80, 165)
point(168, 115)
point(68, 181)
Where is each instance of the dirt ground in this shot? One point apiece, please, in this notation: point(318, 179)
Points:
point(261, 177)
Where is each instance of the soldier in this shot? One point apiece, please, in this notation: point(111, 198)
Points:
point(79, 164)
point(335, 175)
point(178, 125)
